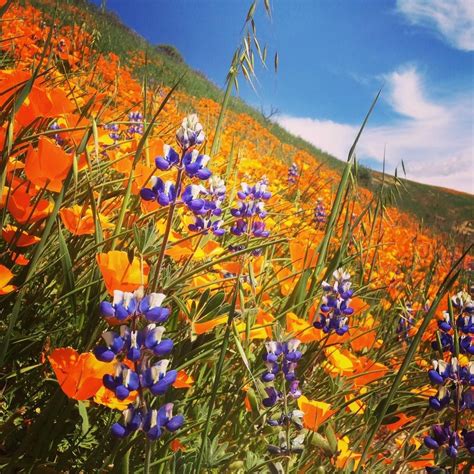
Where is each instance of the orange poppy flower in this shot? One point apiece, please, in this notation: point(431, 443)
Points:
point(363, 336)
point(339, 362)
point(369, 371)
point(19, 259)
point(79, 375)
point(79, 220)
point(176, 445)
point(427, 460)
point(287, 280)
point(121, 274)
point(302, 256)
point(399, 420)
point(39, 103)
point(345, 454)
point(106, 397)
point(5, 276)
point(183, 380)
point(315, 412)
point(262, 329)
point(11, 234)
point(208, 326)
point(301, 329)
point(48, 165)
point(24, 208)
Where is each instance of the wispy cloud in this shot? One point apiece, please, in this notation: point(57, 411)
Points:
point(435, 140)
point(453, 20)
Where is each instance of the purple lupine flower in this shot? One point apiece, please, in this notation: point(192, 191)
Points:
point(274, 349)
point(133, 420)
point(56, 136)
point(465, 323)
point(151, 308)
point(195, 165)
point(295, 392)
point(447, 343)
point(217, 188)
point(114, 345)
point(289, 369)
point(272, 369)
point(114, 131)
point(406, 322)
point(192, 197)
point(451, 377)
point(320, 215)
point(157, 378)
point(468, 440)
point(290, 349)
point(190, 133)
point(123, 382)
point(250, 207)
point(467, 400)
point(286, 355)
point(289, 354)
point(123, 305)
point(441, 399)
point(256, 192)
point(440, 372)
point(335, 307)
point(163, 192)
point(206, 206)
point(293, 173)
point(136, 126)
point(167, 420)
point(239, 228)
point(440, 435)
point(273, 397)
point(294, 416)
point(153, 340)
point(445, 323)
point(151, 422)
point(151, 425)
point(466, 345)
point(155, 420)
point(204, 225)
point(258, 229)
point(170, 158)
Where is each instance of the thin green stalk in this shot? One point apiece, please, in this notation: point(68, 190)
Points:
point(225, 102)
point(146, 466)
point(169, 221)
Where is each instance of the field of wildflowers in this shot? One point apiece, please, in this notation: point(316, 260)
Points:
point(182, 292)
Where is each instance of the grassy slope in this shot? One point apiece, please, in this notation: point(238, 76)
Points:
point(437, 207)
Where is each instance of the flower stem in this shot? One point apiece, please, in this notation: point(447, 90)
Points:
point(146, 467)
point(169, 221)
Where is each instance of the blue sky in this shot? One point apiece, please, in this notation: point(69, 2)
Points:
point(333, 58)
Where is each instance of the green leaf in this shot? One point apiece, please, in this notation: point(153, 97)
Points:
point(85, 418)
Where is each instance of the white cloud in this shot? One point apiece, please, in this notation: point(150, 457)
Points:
point(452, 19)
point(407, 95)
point(435, 140)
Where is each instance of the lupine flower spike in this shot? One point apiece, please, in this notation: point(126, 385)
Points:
point(133, 348)
point(335, 309)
